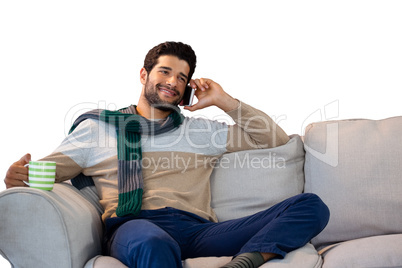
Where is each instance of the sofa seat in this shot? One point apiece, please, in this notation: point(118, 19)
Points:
point(304, 257)
point(374, 251)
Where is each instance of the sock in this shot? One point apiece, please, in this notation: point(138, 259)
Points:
point(246, 260)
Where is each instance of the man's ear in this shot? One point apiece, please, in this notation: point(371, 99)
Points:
point(143, 76)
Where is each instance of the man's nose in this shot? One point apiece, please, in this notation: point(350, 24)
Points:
point(172, 80)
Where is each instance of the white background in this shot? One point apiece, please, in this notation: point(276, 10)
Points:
point(298, 61)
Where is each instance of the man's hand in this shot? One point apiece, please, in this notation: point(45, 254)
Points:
point(17, 173)
point(210, 93)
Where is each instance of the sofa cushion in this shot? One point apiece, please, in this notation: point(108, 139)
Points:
point(355, 167)
point(304, 257)
point(258, 179)
point(104, 262)
point(375, 251)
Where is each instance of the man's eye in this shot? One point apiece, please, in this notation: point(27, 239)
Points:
point(164, 72)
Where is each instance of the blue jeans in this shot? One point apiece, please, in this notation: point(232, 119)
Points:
point(163, 237)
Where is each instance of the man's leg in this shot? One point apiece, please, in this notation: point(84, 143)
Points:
point(140, 243)
point(277, 230)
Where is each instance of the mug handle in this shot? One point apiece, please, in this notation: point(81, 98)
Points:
point(27, 183)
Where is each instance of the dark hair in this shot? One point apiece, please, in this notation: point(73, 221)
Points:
point(178, 49)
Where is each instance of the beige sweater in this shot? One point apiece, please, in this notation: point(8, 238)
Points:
point(176, 165)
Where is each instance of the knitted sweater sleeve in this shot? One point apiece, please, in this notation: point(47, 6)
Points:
point(253, 130)
point(72, 154)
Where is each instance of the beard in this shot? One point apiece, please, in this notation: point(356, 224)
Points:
point(152, 96)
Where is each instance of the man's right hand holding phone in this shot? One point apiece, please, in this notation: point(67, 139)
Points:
point(210, 93)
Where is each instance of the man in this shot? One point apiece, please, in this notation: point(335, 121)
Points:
point(151, 167)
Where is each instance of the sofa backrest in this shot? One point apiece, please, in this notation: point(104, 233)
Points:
point(243, 183)
point(355, 166)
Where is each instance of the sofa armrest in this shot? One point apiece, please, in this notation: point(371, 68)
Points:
point(57, 228)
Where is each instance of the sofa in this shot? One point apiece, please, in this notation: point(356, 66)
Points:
point(353, 165)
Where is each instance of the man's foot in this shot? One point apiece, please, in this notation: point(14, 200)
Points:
point(246, 260)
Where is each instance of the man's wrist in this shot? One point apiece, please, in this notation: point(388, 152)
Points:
point(228, 103)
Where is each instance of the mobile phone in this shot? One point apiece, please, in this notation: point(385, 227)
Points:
point(188, 96)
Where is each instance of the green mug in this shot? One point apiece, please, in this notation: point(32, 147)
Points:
point(41, 174)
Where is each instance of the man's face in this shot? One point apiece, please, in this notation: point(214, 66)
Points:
point(166, 82)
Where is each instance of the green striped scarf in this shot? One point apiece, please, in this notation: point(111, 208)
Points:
point(129, 128)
